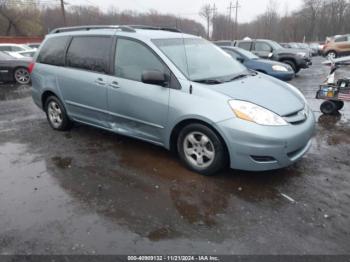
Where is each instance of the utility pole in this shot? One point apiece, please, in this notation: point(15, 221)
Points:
point(230, 8)
point(213, 9)
point(63, 13)
point(236, 18)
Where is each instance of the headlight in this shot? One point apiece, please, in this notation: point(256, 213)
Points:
point(257, 114)
point(302, 54)
point(279, 68)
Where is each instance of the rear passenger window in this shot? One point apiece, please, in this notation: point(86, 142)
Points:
point(90, 53)
point(133, 58)
point(52, 53)
point(245, 45)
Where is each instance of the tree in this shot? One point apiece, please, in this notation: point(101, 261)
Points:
point(206, 13)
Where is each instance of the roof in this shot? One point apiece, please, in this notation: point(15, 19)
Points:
point(131, 31)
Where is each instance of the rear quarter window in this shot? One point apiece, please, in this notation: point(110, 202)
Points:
point(53, 51)
point(90, 53)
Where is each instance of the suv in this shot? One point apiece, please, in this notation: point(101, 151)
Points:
point(224, 43)
point(269, 49)
point(337, 46)
point(174, 90)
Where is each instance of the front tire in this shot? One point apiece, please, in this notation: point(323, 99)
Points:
point(293, 65)
point(201, 149)
point(56, 114)
point(332, 55)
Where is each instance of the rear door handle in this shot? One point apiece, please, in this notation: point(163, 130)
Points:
point(114, 84)
point(100, 82)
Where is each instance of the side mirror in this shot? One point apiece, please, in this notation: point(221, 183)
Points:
point(240, 59)
point(154, 78)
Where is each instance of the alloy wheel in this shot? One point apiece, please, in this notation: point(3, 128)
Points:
point(199, 150)
point(22, 76)
point(55, 114)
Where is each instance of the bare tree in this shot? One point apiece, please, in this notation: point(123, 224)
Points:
point(206, 13)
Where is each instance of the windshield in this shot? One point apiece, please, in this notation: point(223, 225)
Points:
point(199, 59)
point(4, 56)
point(276, 45)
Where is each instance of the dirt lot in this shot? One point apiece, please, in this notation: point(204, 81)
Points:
point(92, 192)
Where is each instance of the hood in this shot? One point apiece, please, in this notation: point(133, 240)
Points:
point(290, 51)
point(264, 91)
point(267, 62)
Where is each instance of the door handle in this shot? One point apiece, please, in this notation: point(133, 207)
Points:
point(114, 84)
point(100, 82)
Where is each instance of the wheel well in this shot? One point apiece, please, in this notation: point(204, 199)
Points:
point(45, 96)
point(177, 129)
point(18, 67)
point(283, 60)
point(329, 51)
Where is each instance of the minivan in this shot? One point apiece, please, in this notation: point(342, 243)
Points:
point(174, 90)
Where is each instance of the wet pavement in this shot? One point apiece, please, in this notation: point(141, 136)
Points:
point(88, 191)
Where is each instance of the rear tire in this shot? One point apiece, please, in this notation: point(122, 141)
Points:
point(201, 149)
point(56, 114)
point(21, 76)
point(329, 107)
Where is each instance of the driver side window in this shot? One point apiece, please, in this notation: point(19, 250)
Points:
point(262, 47)
point(133, 58)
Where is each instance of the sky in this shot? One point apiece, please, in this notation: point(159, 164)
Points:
point(190, 8)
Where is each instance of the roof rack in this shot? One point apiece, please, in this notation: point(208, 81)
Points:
point(146, 27)
point(123, 28)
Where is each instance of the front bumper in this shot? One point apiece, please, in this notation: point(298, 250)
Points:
point(304, 62)
point(254, 147)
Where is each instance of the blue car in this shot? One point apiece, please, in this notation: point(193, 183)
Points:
point(276, 69)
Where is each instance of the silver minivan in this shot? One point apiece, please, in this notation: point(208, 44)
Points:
point(174, 90)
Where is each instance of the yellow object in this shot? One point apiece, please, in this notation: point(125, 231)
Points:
point(330, 93)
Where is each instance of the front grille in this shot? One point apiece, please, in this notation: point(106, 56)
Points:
point(297, 117)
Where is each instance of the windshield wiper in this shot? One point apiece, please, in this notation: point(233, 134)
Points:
point(238, 77)
point(241, 76)
point(208, 81)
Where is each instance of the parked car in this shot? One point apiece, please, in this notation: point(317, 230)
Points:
point(27, 53)
point(225, 43)
point(34, 45)
point(174, 90)
point(253, 62)
point(269, 49)
point(285, 45)
point(14, 48)
point(337, 46)
point(14, 69)
point(314, 48)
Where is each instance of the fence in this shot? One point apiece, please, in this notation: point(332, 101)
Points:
point(20, 39)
